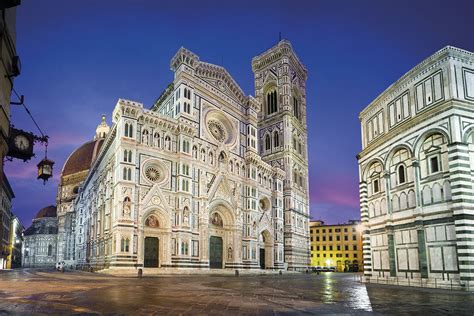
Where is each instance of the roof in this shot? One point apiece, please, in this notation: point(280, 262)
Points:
point(48, 211)
point(82, 158)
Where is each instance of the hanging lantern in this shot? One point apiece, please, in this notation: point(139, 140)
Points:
point(45, 167)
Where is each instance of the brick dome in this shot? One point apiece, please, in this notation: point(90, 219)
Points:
point(82, 158)
point(48, 211)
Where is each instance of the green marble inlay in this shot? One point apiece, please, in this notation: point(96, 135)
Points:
point(422, 253)
point(391, 255)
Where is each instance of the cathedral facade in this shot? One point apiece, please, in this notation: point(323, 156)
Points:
point(208, 177)
point(416, 169)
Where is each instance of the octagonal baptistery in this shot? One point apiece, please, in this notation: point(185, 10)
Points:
point(40, 240)
point(184, 185)
point(416, 166)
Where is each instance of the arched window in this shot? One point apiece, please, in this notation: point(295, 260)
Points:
point(129, 156)
point(127, 174)
point(296, 108)
point(272, 102)
point(124, 244)
point(125, 155)
point(268, 144)
point(129, 130)
point(185, 146)
point(231, 166)
point(50, 250)
point(203, 155)
point(195, 152)
point(276, 140)
point(401, 174)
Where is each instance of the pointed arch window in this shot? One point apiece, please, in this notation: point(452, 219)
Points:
point(296, 108)
point(128, 130)
point(276, 140)
point(124, 244)
point(272, 106)
point(50, 250)
point(268, 144)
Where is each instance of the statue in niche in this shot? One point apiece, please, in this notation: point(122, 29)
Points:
point(186, 215)
point(151, 221)
point(127, 207)
point(216, 220)
point(229, 253)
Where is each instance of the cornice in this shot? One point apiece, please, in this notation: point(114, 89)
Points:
point(282, 49)
point(443, 55)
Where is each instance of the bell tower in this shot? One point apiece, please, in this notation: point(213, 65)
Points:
point(280, 86)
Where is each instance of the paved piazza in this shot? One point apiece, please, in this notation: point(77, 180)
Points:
point(38, 292)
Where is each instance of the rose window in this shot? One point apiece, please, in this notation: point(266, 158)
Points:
point(153, 174)
point(217, 130)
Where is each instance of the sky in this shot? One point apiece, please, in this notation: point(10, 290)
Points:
point(79, 57)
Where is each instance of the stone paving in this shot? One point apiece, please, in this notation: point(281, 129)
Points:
point(49, 292)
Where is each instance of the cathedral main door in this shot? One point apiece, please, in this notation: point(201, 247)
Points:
point(262, 258)
point(215, 252)
point(151, 252)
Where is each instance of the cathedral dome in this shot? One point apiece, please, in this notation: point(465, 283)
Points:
point(48, 211)
point(82, 158)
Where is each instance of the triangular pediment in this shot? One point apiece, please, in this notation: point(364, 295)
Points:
point(155, 197)
point(219, 78)
point(222, 190)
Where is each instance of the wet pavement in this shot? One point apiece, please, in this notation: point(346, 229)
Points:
point(49, 292)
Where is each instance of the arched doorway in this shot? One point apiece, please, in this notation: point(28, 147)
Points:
point(151, 253)
point(221, 232)
point(266, 250)
point(155, 240)
point(216, 241)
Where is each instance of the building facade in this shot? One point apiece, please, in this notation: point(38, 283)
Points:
point(74, 172)
point(416, 169)
point(40, 240)
point(16, 243)
point(9, 69)
point(207, 178)
point(6, 217)
point(338, 246)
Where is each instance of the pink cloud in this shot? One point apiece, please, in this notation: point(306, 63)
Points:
point(334, 189)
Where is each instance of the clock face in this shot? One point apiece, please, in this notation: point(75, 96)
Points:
point(21, 142)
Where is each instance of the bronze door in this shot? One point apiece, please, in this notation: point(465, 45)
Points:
point(262, 258)
point(151, 252)
point(215, 252)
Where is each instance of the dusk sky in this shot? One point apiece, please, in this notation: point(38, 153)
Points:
point(79, 57)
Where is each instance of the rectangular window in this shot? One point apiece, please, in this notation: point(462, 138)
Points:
point(376, 186)
point(434, 164)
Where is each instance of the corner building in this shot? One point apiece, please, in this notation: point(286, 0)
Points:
point(207, 177)
point(338, 246)
point(416, 173)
